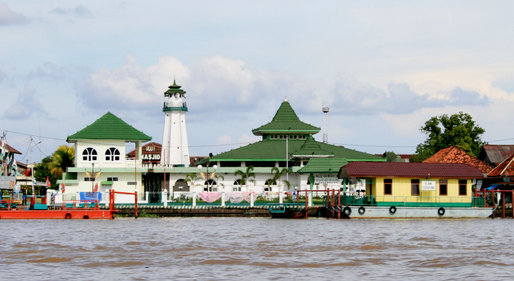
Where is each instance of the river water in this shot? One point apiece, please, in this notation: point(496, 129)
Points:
point(256, 249)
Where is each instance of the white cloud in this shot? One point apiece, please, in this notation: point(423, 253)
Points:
point(9, 17)
point(79, 10)
point(26, 105)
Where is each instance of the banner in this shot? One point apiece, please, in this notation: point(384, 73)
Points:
point(90, 196)
point(7, 182)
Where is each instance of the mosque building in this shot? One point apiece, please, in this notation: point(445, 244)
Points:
point(287, 144)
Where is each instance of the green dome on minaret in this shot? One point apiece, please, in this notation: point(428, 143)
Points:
point(174, 89)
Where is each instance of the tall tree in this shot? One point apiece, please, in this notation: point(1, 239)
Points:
point(443, 131)
point(42, 171)
point(62, 158)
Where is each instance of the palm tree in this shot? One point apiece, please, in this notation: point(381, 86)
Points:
point(218, 177)
point(62, 158)
point(246, 176)
point(277, 173)
point(192, 178)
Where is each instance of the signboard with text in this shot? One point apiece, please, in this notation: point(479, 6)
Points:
point(326, 179)
point(428, 185)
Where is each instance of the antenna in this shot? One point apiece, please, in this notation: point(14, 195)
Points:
point(325, 133)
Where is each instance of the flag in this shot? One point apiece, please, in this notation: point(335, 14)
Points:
point(34, 181)
point(48, 182)
point(96, 187)
point(16, 188)
point(63, 187)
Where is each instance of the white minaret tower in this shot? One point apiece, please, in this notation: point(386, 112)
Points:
point(175, 147)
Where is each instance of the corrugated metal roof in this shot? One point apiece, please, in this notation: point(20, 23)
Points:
point(410, 170)
point(495, 154)
point(504, 169)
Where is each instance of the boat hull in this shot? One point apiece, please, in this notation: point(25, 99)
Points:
point(372, 212)
point(57, 214)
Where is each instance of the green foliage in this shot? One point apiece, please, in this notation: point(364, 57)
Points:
point(277, 174)
point(42, 171)
point(144, 214)
point(246, 176)
point(192, 178)
point(443, 131)
point(62, 158)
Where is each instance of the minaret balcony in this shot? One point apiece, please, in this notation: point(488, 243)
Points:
point(182, 108)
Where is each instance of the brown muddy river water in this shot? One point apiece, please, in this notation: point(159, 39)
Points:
point(257, 249)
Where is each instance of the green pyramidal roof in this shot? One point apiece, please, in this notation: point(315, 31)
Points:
point(311, 148)
point(109, 127)
point(286, 121)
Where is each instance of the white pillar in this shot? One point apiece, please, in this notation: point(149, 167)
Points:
point(223, 199)
point(194, 199)
point(77, 199)
point(164, 198)
point(281, 197)
point(146, 196)
point(48, 197)
point(106, 194)
point(252, 199)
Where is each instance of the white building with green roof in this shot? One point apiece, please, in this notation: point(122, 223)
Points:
point(100, 158)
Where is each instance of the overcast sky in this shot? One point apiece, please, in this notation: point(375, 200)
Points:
point(382, 67)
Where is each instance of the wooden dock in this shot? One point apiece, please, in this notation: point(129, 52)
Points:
point(202, 211)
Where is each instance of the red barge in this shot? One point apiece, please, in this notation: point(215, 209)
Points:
point(76, 209)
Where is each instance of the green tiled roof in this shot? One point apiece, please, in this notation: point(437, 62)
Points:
point(285, 121)
point(311, 148)
point(275, 150)
point(323, 165)
point(109, 127)
point(174, 89)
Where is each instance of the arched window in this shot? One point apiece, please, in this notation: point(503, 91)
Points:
point(112, 154)
point(89, 154)
point(237, 182)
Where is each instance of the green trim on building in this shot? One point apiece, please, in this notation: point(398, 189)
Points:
point(109, 127)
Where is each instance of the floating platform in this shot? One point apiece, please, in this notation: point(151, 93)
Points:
point(57, 214)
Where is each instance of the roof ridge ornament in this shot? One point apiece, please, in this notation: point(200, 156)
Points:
point(285, 98)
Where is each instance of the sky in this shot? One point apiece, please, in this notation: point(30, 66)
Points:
point(382, 67)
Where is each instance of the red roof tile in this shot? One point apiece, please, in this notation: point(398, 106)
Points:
point(454, 154)
point(410, 170)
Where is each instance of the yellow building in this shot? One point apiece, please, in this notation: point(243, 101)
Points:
point(414, 184)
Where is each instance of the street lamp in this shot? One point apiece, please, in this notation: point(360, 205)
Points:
point(92, 177)
point(207, 176)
